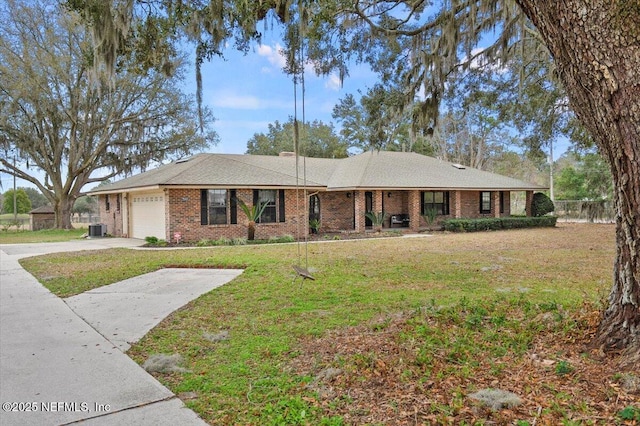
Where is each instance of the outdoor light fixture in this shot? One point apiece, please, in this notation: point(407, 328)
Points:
point(389, 194)
point(348, 195)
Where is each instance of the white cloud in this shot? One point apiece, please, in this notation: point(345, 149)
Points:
point(333, 82)
point(273, 55)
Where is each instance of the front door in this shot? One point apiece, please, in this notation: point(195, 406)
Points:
point(368, 207)
point(314, 212)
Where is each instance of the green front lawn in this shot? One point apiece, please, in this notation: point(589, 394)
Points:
point(409, 326)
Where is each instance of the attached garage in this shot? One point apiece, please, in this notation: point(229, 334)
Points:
point(148, 214)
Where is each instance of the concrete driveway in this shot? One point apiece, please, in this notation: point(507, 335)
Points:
point(61, 361)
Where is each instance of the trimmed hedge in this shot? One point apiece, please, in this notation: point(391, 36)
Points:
point(541, 205)
point(498, 223)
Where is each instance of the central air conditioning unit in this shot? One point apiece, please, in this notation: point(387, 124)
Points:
point(97, 230)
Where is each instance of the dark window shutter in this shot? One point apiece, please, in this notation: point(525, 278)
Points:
point(233, 204)
point(204, 210)
point(281, 207)
point(256, 198)
point(446, 203)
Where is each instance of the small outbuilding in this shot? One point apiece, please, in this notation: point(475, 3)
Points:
point(43, 217)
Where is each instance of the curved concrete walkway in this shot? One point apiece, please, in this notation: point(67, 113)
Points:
point(61, 361)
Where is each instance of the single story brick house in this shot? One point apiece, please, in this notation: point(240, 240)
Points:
point(197, 197)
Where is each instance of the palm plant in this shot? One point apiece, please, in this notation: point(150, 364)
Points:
point(377, 219)
point(253, 213)
point(314, 224)
point(430, 216)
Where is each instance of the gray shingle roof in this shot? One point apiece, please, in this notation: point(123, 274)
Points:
point(405, 170)
point(369, 170)
point(43, 210)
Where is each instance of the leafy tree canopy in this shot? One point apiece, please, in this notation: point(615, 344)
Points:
point(316, 140)
point(75, 130)
point(36, 197)
point(586, 177)
point(377, 120)
point(85, 204)
point(22, 201)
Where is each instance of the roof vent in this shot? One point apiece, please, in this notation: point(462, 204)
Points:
point(183, 160)
point(287, 154)
point(459, 166)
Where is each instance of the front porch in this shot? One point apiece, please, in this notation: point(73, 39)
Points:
point(408, 209)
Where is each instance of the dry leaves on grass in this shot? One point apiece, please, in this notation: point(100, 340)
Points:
point(377, 378)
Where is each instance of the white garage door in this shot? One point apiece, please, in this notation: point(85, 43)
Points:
point(147, 215)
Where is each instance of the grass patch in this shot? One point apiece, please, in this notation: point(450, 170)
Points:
point(414, 325)
point(42, 236)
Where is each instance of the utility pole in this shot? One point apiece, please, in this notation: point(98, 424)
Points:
point(551, 196)
point(15, 197)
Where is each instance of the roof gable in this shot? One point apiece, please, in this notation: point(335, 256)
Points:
point(46, 209)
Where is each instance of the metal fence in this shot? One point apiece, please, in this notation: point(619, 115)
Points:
point(24, 224)
point(585, 211)
point(20, 224)
point(85, 218)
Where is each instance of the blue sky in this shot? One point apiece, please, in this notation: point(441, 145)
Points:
point(248, 92)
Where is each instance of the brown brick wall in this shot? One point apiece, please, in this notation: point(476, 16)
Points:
point(336, 212)
point(396, 203)
point(414, 210)
point(184, 218)
point(507, 204)
point(42, 221)
point(113, 217)
point(470, 205)
point(528, 202)
point(360, 211)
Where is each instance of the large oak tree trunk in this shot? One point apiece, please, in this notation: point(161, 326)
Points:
point(596, 48)
point(63, 207)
